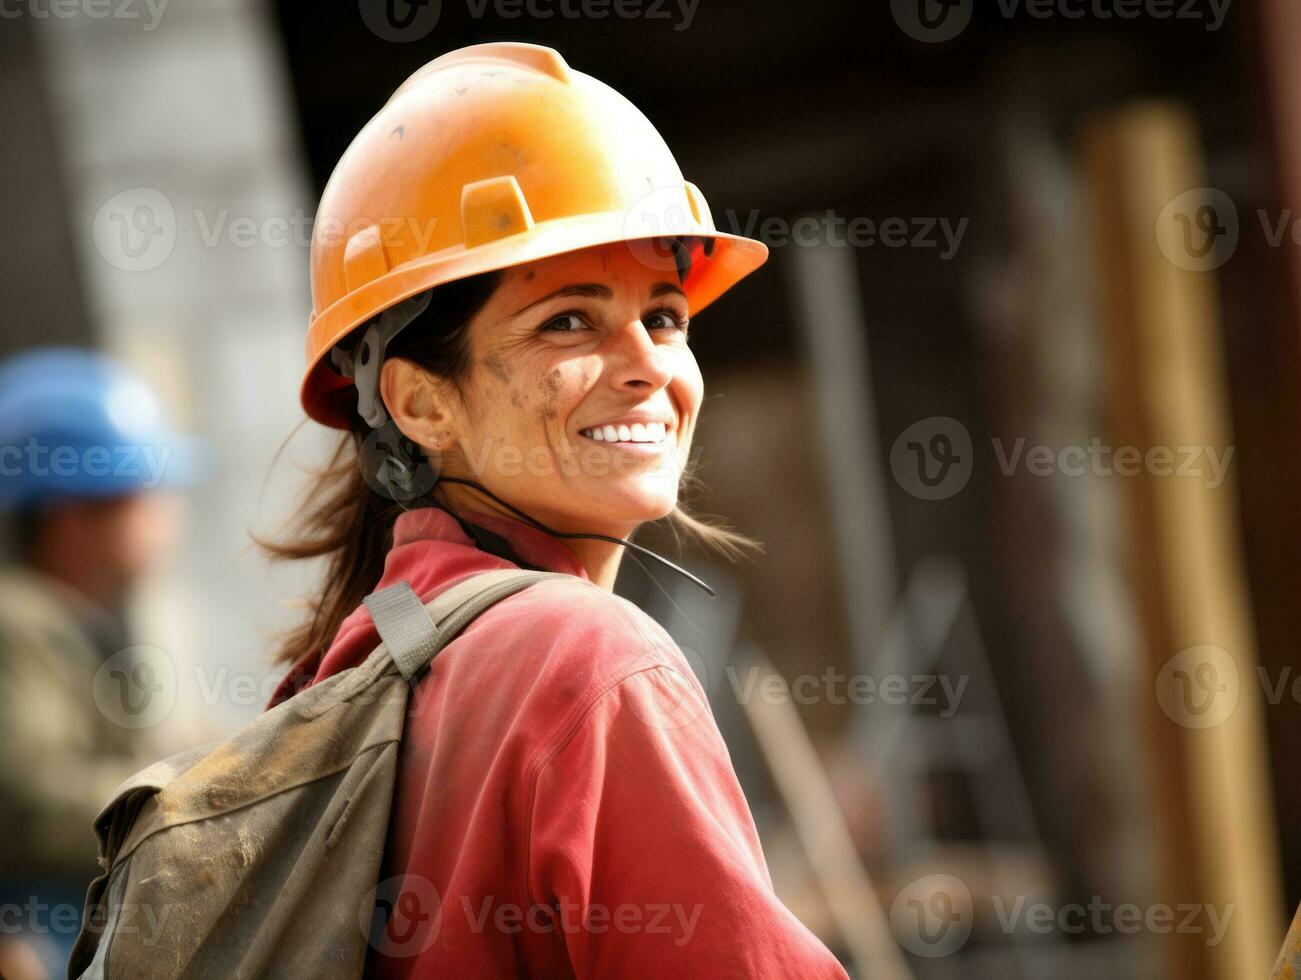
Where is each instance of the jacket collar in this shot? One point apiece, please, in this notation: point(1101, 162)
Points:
point(532, 546)
point(430, 551)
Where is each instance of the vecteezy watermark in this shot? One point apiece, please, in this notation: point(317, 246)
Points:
point(931, 916)
point(664, 696)
point(1101, 460)
point(36, 917)
point(833, 686)
point(139, 686)
point(932, 459)
point(669, 211)
point(1210, 12)
point(938, 21)
point(684, 10)
point(401, 915)
point(673, 920)
point(939, 234)
point(1200, 230)
point(144, 465)
point(404, 21)
point(400, 21)
point(301, 229)
point(1278, 687)
point(1198, 687)
point(1101, 918)
point(932, 21)
point(135, 687)
point(149, 11)
point(135, 230)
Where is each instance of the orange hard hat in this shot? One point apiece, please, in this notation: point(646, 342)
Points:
point(488, 157)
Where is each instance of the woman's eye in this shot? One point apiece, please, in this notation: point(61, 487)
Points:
point(565, 323)
point(665, 319)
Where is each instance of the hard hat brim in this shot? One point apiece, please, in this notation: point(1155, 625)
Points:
point(329, 398)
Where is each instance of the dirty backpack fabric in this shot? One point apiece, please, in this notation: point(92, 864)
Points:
point(260, 855)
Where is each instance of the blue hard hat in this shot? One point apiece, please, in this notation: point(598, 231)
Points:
point(75, 423)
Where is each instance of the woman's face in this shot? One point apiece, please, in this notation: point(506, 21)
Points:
point(582, 395)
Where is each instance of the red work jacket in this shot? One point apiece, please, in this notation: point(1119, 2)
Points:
point(565, 805)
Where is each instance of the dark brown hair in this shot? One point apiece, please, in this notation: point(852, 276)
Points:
point(347, 521)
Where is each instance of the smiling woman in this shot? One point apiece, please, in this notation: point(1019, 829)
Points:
point(519, 392)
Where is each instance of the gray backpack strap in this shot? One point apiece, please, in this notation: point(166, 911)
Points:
point(414, 633)
point(404, 626)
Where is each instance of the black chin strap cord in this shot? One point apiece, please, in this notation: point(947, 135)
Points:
point(562, 534)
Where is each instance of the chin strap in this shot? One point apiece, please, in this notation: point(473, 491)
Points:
point(563, 534)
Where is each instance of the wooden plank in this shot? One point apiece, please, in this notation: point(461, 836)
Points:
point(1166, 389)
point(810, 800)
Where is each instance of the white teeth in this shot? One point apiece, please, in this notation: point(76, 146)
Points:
point(646, 432)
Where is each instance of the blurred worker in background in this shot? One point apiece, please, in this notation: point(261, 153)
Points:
point(84, 451)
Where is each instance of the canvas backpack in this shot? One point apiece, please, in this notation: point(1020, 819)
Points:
point(260, 855)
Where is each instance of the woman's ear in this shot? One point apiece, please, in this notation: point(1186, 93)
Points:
point(416, 403)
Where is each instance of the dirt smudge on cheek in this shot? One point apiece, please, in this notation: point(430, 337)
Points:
point(550, 394)
point(495, 365)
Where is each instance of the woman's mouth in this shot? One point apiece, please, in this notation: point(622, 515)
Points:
point(637, 434)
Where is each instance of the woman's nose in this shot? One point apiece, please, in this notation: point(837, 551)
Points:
point(637, 360)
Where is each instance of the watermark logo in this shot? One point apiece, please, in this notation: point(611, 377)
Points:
point(1198, 687)
point(932, 916)
point(404, 21)
point(395, 467)
point(148, 11)
point(588, 10)
point(932, 21)
point(35, 917)
point(1199, 230)
point(135, 230)
point(141, 465)
point(664, 697)
point(651, 223)
point(1209, 464)
point(833, 686)
point(136, 687)
point(937, 21)
point(940, 234)
point(675, 920)
point(1212, 12)
point(401, 915)
point(1101, 918)
point(932, 458)
point(400, 21)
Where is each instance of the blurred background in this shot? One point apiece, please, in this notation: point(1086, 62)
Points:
point(1013, 407)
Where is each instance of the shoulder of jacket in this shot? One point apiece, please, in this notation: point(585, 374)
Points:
point(579, 604)
point(575, 625)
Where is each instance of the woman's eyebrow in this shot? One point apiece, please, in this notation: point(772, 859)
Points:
point(663, 288)
point(592, 290)
point(596, 290)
